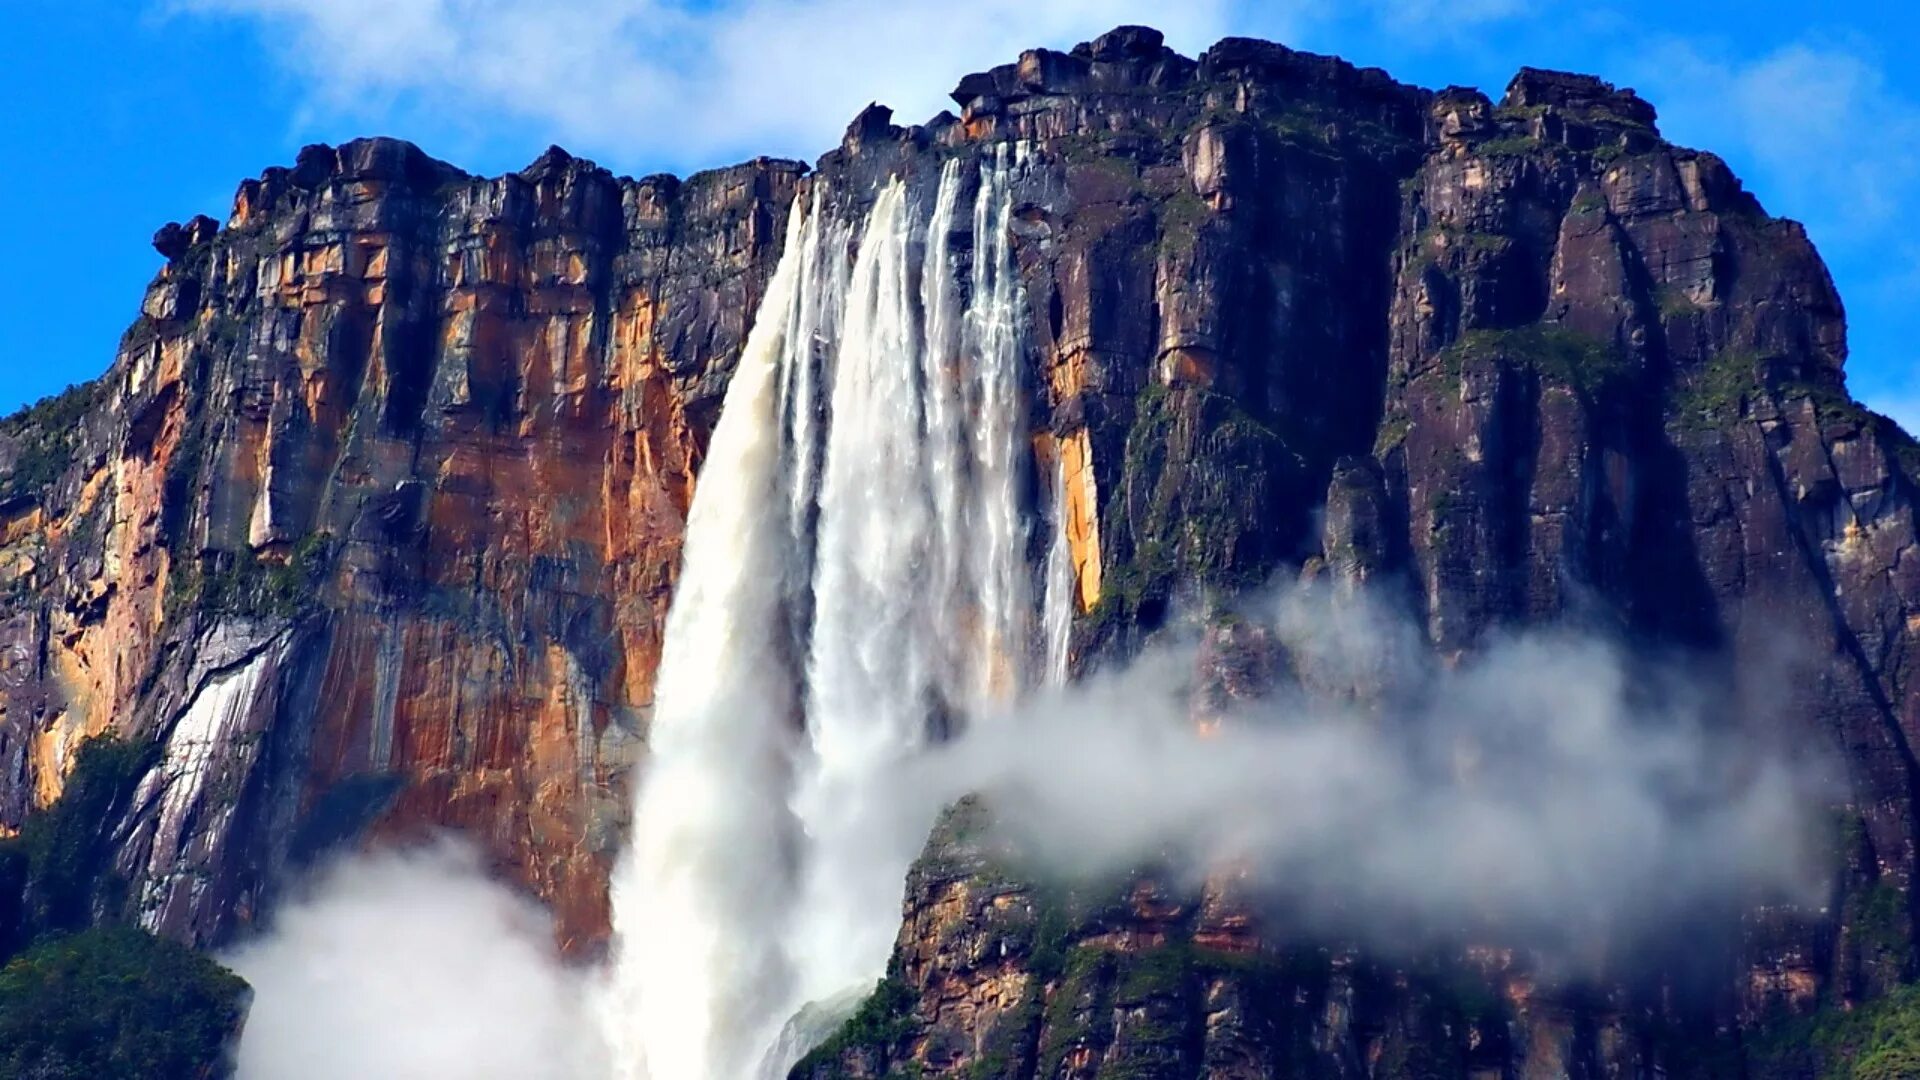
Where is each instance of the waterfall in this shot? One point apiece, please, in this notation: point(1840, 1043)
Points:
point(699, 900)
point(856, 577)
point(866, 679)
point(1056, 618)
point(994, 326)
point(943, 372)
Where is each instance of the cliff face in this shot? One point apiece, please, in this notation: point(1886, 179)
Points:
point(374, 519)
point(1525, 361)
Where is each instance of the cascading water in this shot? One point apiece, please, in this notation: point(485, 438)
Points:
point(867, 676)
point(1056, 610)
point(699, 900)
point(856, 574)
point(993, 319)
point(943, 364)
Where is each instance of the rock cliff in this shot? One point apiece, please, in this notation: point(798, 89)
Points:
point(373, 521)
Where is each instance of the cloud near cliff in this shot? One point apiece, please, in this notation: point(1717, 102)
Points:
point(1579, 801)
point(1547, 786)
point(1823, 135)
point(1831, 139)
point(413, 964)
point(672, 83)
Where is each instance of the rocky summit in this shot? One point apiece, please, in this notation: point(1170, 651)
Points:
point(372, 525)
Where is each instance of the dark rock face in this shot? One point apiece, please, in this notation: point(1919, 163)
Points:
point(1580, 376)
point(382, 501)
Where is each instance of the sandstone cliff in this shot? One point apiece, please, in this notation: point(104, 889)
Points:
point(1532, 362)
point(373, 520)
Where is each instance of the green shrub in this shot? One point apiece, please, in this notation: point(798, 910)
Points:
point(107, 1001)
point(57, 876)
point(1717, 392)
point(46, 434)
point(1509, 146)
point(1875, 1040)
point(246, 584)
point(874, 1033)
point(1555, 353)
point(1675, 303)
point(1181, 217)
point(117, 1003)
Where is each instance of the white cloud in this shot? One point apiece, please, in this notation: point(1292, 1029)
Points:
point(1826, 138)
point(410, 964)
point(1547, 786)
point(1901, 405)
point(668, 82)
point(1820, 135)
point(1446, 17)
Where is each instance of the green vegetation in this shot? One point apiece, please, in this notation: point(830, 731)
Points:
point(1436, 238)
point(47, 434)
point(1720, 392)
point(56, 876)
point(1098, 152)
point(1877, 1040)
point(1465, 239)
point(1588, 202)
point(1181, 216)
point(225, 331)
point(1881, 925)
point(1509, 146)
point(1315, 127)
point(1606, 154)
point(179, 493)
point(1142, 1006)
point(873, 1034)
point(1393, 431)
point(1830, 403)
point(1517, 113)
point(117, 1003)
point(1675, 303)
point(246, 584)
point(1717, 392)
point(1598, 112)
point(1555, 353)
point(1833, 406)
point(84, 995)
point(1197, 464)
point(1081, 995)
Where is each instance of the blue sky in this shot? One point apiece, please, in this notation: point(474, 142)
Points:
point(122, 115)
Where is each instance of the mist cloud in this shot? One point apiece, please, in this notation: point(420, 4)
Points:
point(1550, 787)
point(672, 83)
point(1551, 791)
point(410, 964)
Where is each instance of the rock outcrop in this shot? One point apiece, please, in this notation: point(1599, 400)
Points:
point(374, 519)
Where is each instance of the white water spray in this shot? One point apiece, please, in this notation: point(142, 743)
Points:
point(943, 374)
point(1056, 619)
point(883, 539)
point(867, 677)
point(699, 975)
point(993, 319)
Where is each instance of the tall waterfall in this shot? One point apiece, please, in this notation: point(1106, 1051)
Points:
point(1056, 619)
point(868, 670)
point(698, 899)
point(856, 578)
